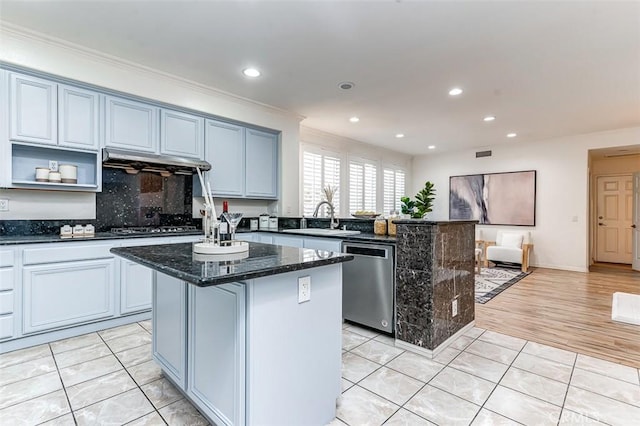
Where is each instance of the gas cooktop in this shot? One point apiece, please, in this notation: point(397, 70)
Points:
point(135, 230)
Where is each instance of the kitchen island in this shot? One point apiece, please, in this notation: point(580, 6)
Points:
point(234, 337)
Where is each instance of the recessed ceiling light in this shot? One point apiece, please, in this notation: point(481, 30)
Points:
point(512, 135)
point(489, 118)
point(354, 119)
point(455, 91)
point(431, 147)
point(251, 72)
point(399, 135)
point(346, 85)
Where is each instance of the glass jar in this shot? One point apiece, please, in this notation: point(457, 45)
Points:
point(380, 226)
point(391, 227)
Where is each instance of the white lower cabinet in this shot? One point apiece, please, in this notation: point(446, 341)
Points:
point(135, 287)
point(57, 295)
point(327, 244)
point(284, 240)
point(217, 326)
point(170, 326)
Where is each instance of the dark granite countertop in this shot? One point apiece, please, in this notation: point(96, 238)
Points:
point(364, 236)
point(55, 238)
point(179, 261)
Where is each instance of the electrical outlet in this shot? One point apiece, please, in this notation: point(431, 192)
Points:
point(454, 307)
point(53, 165)
point(304, 289)
point(4, 205)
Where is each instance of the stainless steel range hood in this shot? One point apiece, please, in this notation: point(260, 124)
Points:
point(134, 162)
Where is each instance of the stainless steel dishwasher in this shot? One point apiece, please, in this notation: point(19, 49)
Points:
point(368, 285)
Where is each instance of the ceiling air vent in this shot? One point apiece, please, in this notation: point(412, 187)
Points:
point(483, 154)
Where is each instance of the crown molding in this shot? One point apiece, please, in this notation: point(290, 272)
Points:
point(8, 29)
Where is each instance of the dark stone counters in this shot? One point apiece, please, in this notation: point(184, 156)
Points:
point(434, 266)
point(179, 261)
point(54, 238)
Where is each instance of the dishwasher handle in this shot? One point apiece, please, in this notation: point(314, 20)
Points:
point(361, 250)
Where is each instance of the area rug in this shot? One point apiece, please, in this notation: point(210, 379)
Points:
point(626, 308)
point(493, 281)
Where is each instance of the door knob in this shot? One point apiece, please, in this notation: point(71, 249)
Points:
point(601, 224)
point(633, 226)
point(600, 217)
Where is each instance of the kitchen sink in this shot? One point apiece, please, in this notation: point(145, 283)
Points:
point(321, 231)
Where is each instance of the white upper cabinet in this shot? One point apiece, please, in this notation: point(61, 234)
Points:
point(225, 152)
point(33, 110)
point(79, 118)
point(181, 134)
point(261, 164)
point(244, 161)
point(131, 125)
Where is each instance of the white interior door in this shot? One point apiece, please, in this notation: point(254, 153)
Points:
point(636, 222)
point(615, 213)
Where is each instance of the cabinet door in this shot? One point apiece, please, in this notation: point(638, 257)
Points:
point(67, 293)
point(131, 125)
point(181, 134)
point(326, 244)
point(136, 283)
point(170, 326)
point(217, 326)
point(289, 241)
point(78, 110)
point(224, 149)
point(261, 164)
point(33, 110)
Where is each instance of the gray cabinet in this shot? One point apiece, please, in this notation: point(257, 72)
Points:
point(170, 326)
point(131, 125)
point(285, 240)
point(261, 164)
point(7, 296)
point(78, 118)
point(224, 150)
point(33, 110)
point(136, 283)
point(181, 134)
point(217, 326)
point(244, 161)
point(62, 294)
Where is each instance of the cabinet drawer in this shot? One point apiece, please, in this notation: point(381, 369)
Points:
point(6, 302)
point(6, 327)
point(6, 258)
point(6, 279)
point(66, 253)
point(67, 293)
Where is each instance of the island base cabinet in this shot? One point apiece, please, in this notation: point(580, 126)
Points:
point(67, 293)
point(216, 348)
point(294, 349)
point(169, 320)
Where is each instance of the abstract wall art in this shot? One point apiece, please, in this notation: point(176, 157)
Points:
point(494, 198)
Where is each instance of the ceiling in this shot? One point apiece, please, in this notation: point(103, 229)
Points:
point(544, 69)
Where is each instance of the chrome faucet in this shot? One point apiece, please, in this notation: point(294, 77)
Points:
point(333, 224)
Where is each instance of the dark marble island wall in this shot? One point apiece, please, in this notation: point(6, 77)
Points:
point(434, 266)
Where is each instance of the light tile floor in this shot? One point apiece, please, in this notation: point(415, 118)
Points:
point(484, 378)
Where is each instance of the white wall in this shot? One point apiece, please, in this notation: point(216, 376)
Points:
point(36, 51)
point(348, 148)
point(561, 234)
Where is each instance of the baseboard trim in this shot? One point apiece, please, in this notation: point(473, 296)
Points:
point(52, 336)
point(433, 353)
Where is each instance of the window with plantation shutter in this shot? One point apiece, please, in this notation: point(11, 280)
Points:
point(393, 189)
point(318, 171)
point(362, 186)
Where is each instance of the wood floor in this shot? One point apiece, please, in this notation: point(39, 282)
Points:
point(568, 310)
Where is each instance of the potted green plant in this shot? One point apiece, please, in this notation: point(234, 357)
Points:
point(423, 203)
